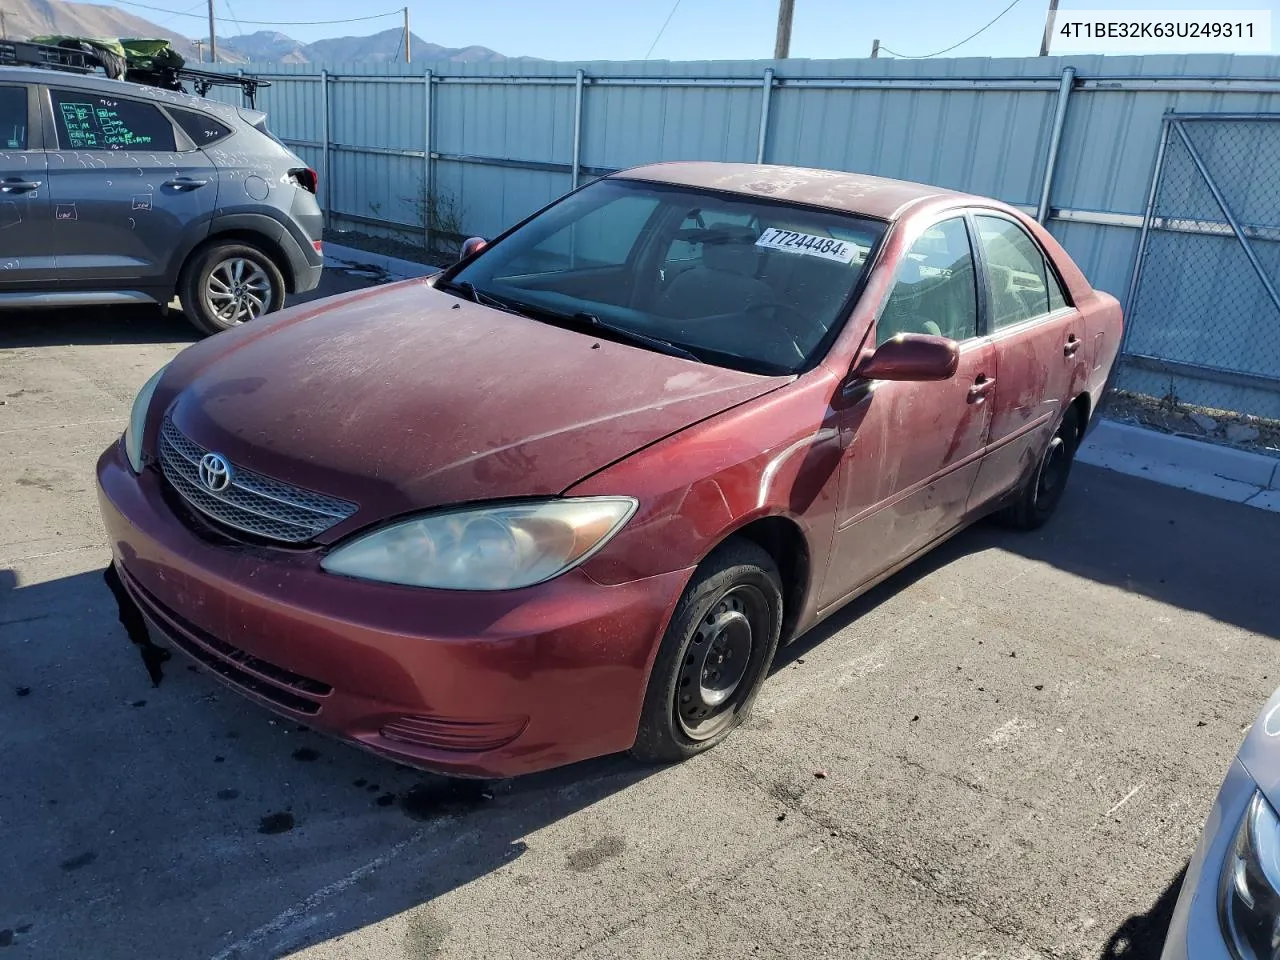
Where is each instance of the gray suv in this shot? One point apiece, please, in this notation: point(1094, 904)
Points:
point(112, 192)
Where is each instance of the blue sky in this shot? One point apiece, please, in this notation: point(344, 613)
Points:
point(699, 29)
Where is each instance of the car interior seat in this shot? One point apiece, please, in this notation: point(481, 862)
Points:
point(723, 281)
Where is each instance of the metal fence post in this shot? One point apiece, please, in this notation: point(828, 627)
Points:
point(324, 142)
point(766, 94)
point(1136, 277)
point(1055, 141)
point(578, 83)
point(428, 186)
point(240, 74)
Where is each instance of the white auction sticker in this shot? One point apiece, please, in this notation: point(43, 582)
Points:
point(1160, 31)
point(809, 244)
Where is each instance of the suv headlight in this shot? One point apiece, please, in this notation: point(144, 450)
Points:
point(488, 548)
point(138, 420)
point(1249, 898)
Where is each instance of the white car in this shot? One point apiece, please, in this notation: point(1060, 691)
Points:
point(1229, 906)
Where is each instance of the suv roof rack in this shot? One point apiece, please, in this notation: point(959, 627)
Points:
point(85, 57)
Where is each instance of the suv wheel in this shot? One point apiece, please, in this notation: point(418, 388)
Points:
point(227, 284)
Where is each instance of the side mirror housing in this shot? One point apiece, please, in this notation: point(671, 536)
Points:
point(910, 356)
point(471, 246)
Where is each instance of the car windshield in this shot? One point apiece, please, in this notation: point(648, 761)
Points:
point(751, 284)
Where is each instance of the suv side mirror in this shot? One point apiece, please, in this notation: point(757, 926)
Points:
point(471, 246)
point(910, 356)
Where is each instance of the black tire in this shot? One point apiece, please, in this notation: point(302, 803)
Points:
point(732, 606)
point(1040, 495)
point(209, 280)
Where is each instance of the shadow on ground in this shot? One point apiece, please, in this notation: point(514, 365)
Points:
point(1142, 936)
point(1179, 548)
point(204, 827)
point(67, 326)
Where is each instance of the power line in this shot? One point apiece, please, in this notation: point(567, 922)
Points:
point(983, 29)
point(233, 17)
point(674, 7)
point(262, 23)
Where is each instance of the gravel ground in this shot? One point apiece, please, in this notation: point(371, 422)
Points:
point(389, 247)
point(1243, 431)
point(1004, 752)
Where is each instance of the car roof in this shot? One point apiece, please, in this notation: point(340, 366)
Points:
point(103, 84)
point(859, 193)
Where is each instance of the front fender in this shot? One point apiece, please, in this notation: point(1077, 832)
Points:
point(776, 456)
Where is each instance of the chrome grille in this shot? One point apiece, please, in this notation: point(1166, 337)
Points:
point(252, 503)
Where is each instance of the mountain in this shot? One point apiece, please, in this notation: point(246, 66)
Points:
point(264, 45)
point(33, 18)
point(30, 18)
point(379, 48)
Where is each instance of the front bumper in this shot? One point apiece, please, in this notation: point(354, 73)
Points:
point(512, 682)
point(1195, 932)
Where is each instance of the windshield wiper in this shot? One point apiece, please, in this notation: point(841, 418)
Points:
point(622, 333)
point(479, 296)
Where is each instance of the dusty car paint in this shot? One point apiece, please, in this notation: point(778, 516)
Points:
point(406, 398)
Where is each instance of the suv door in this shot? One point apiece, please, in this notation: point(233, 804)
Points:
point(26, 234)
point(1037, 336)
point(911, 450)
point(131, 193)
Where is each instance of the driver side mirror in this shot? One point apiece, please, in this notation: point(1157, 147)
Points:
point(910, 356)
point(471, 246)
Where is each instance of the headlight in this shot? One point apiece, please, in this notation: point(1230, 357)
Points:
point(1249, 897)
point(138, 420)
point(490, 548)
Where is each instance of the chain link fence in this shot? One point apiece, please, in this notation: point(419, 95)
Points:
point(1202, 343)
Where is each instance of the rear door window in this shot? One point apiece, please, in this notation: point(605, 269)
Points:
point(203, 129)
point(90, 121)
point(13, 118)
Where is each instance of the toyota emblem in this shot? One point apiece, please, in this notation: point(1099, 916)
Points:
point(215, 472)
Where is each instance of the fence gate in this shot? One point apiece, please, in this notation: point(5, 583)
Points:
point(1203, 324)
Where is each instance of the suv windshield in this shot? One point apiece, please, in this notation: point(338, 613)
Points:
point(739, 282)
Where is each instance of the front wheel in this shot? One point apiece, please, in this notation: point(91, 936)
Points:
point(228, 284)
point(714, 655)
point(1040, 496)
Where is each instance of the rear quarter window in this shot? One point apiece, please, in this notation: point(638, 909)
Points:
point(203, 129)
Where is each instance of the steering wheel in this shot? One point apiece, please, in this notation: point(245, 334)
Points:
point(802, 322)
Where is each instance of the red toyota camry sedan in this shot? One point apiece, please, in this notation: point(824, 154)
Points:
point(567, 497)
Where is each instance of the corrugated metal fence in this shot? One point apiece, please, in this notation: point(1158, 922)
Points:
point(471, 148)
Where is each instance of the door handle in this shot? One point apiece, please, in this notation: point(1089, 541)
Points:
point(184, 183)
point(14, 185)
point(981, 387)
point(1072, 345)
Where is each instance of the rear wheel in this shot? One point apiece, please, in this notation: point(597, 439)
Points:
point(714, 655)
point(1041, 494)
point(228, 284)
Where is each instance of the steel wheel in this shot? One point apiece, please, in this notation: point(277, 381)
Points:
point(1041, 493)
point(717, 660)
point(237, 290)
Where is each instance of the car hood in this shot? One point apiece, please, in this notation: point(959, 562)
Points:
point(403, 398)
point(1260, 752)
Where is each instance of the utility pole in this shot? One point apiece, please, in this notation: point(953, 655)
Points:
point(4, 31)
point(782, 49)
point(1048, 28)
point(213, 40)
point(199, 50)
point(408, 57)
point(875, 49)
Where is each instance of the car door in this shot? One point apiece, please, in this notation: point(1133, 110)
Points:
point(911, 450)
point(26, 241)
point(1038, 338)
point(129, 190)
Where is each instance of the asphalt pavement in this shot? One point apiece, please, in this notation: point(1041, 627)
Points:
point(1006, 751)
